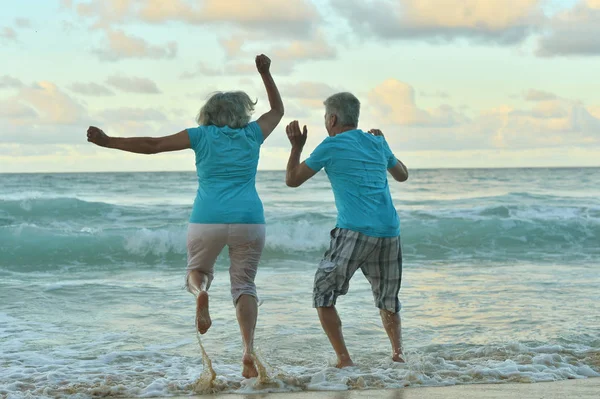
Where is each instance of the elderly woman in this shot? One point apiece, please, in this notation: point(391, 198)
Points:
point(227, 210)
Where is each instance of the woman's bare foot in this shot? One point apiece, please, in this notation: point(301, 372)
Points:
point(203, 321)
point(398, 357)
point(249, 370)
point(344, 362)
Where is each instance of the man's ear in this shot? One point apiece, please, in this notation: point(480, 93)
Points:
point(334, 120)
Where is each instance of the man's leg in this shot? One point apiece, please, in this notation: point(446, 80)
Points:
point(332, 279)
point(384, 272)
point(393, 328)
point(330, 320)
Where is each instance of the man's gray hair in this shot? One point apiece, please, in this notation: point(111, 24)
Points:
point(346, 106)
point(231, 108)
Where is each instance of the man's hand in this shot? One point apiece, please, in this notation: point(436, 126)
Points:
point(263, 63)
point(97, 136)
point(297, 138)
point(376, 132)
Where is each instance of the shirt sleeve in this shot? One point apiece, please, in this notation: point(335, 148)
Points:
point(389, 155)
point(256, 132)
point(195, 135)
point(320, 157)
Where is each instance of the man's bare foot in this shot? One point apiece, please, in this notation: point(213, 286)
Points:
point(398, 357)
point(203, 321)
point(249, 370)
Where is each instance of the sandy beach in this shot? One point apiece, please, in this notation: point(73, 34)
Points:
point(582, 388)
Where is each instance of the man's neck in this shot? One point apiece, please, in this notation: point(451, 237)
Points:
point(344, 129)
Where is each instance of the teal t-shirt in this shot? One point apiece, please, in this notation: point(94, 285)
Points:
point(356, 164)
point(226, 162)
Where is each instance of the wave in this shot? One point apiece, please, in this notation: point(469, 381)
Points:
point(55, 211)
point(45, 232)
point(495, 234)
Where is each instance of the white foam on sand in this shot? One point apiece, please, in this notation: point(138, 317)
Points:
point(33, 367)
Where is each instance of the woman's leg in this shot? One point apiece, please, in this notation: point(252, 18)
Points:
point(204, 243)
point(198, 285)
point(246, 243)
point(247, 313)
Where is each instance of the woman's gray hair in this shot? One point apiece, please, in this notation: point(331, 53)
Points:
point(230, 108)
point(346, 106)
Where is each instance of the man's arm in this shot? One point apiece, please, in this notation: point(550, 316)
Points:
point(297, 173)
point(399, 171)
point(140, 145)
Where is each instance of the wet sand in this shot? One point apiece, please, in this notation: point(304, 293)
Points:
point(583, 389)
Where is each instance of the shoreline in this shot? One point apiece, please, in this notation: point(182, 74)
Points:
point(588, 388)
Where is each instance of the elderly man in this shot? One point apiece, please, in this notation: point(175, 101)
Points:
point(367, 233)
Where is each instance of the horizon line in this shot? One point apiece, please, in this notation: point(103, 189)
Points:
point(283, 170)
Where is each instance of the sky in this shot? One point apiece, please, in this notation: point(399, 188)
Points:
point(451, 83)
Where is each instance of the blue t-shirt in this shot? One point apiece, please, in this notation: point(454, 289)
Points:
point(226, 162)
point(356, 164)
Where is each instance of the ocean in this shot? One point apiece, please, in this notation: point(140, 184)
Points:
point(501, 283)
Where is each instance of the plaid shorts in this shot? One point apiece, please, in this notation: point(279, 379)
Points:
point(379, 258)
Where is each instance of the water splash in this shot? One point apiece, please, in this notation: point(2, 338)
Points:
point(206, 383)
point(263, 380)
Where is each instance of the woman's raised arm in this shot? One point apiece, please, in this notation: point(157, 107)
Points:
point(269, 121)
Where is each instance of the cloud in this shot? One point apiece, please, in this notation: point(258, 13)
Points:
point(8, 82)
point(41, 114)
point(308, 95)
point(434, 94)
point(133, 85)
point(309, 48)
point(548, 121)
point(549, 109)
point(240, 68)
point(37, 136)
point(8, 33)
point(20, 151)
point(294, 111)
point(16, 111)
point(284, 57)
point(91, 89)
point(538, 95)
point(393, 102)
point(594, 111)
point(233, 45)
point(316, 49)
point(559, 122)
point(236, 68)
point(23, 23)
point(202, 70)
point(122, 46)
point(308, 90)
point(288, 18)
point(240, 21)
point(52, 104)
point(480, 20)
point(132, 114)
point(573, 32)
